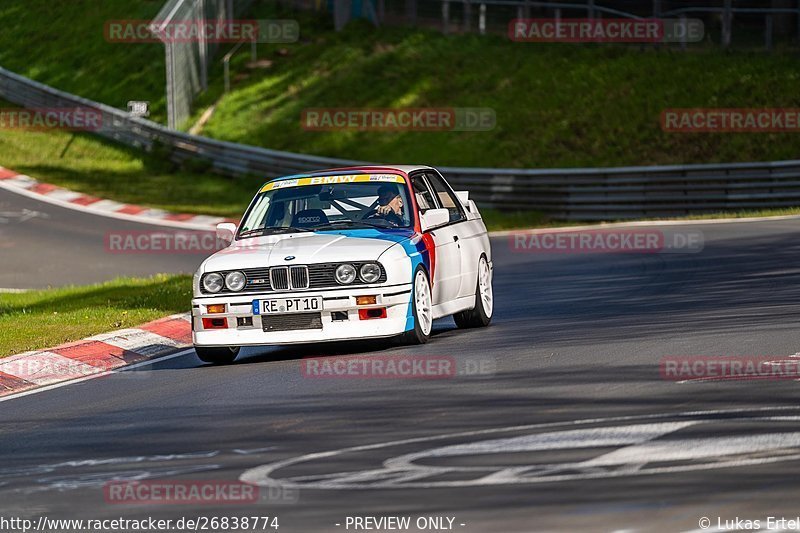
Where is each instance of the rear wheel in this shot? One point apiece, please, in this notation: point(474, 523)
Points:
point(217, 356)
point(422, 308)
point(481, 315)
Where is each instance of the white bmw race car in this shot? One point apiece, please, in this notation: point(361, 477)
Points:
point(344, 254)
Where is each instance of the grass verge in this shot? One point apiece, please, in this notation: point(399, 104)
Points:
point(45, 318)
point(63, 44)
point(557, 105)
point(89, 164)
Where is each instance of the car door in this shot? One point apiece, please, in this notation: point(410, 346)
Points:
point(446, 260)
point(463, 232)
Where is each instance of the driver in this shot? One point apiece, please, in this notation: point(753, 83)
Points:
point(390, 205)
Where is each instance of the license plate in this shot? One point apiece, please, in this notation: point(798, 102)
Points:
point(276, 306)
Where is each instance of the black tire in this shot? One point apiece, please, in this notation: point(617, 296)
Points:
point(476, 317)
point(416, 335)
point(217, 356)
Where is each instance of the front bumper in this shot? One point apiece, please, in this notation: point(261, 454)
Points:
point(336, 304)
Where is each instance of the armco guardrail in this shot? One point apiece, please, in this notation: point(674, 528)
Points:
point(570, 194)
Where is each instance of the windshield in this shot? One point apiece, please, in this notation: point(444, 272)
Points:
point(328, 203)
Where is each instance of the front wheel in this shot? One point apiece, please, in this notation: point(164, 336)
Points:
point(481, 315)
point(422, 309)
point(217, 356)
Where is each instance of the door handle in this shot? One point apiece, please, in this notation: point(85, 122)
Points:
point(455, 238)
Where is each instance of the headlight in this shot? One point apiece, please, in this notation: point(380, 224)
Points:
point(370, 272)
point(213, 282)
point(235, 280)
point(345, 274)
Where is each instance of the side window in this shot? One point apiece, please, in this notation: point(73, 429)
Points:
point(447, 198)
point(422, 193)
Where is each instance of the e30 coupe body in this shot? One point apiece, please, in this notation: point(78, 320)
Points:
point(344, 254)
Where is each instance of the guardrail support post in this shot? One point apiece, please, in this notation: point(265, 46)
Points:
point(768, 34)
point(445, 16)
point(172, 112)
point(656, 15)
point(203, 47)
point(467, 15)
point(341, 13)
point(727, 23)
point(684, 31)
point(590, 9)
point(482, 20)
point(227, 76)
point(411, 12)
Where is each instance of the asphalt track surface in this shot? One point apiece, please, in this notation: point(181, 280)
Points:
point(59, 246)
point(570, 427)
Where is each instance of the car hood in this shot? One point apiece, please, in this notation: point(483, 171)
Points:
point(306, 248)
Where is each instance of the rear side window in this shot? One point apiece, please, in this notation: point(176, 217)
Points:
point(422, 193)
point(447, 198)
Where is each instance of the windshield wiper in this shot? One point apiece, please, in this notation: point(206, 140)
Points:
point(369, 223)
point(272, 231)
point(373, 222)
point(343, 223)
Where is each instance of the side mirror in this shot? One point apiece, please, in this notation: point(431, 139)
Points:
point(433, 218)
point(226, 231)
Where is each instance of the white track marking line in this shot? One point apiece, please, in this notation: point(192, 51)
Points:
point(95, 376)
point(258, 474)
point(101, 213)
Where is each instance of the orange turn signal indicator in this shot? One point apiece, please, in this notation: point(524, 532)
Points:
point(366, 300)
point(214, 309)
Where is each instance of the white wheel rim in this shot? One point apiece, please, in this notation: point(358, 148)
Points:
point(422, 303)
point(485, 286)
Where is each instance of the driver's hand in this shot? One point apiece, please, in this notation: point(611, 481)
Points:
point(383, 209)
